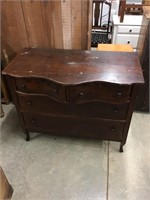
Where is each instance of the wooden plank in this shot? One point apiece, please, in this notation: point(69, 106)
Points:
point(66, 23)
point(146, 11)
point(84, 24)
point(115, 47)
point(52, 20)
point(90, 6)
point(54, 24)
point(34, 23)
point(47, 22)
point(57, 23)
point(13, 31)
point(76, 23)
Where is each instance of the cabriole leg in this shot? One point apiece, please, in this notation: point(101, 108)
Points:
point(121, 148)
point(27, 135)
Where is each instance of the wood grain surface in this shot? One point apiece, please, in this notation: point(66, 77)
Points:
point(70, 67)
point(61, 24)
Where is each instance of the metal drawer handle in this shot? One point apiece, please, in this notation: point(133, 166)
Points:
point(29, 103)
point(112, 128)
point(55, 90)
point(81, 93)
point(128, 42)
point(23, 86)
point(119, 94)
point(115, 110)
point(130, 30)
point(33, 121)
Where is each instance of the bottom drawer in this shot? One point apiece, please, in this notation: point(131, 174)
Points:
point(73, 126)
point(127, 39)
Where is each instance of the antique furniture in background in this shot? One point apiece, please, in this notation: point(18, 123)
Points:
point(101, 28)
point(142, 100)
point(126, 32)
point(131, 8)
point(75, 93)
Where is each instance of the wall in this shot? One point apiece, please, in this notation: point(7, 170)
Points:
point(55, 24)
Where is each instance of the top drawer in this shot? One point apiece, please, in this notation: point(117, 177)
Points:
point(99, 92)
point(41, 86)
point(129, 29)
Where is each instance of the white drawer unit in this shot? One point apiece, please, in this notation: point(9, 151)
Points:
point(126, 32)
point(125, 39)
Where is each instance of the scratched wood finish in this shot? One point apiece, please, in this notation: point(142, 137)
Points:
point(80, 66)
point(54, 24)
point(13, 31)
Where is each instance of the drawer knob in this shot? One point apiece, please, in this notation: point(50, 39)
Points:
point(130, 30)
point(112, 128)
point(128, 42)
point(115, 110)
point(119, 94)
point(55, 90)
point(81, 93)
point(29, 103)
point(23, 86)
point(33, 121)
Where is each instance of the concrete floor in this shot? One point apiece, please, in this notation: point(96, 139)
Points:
point(59, 168)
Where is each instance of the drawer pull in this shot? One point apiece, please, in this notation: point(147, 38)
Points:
point(130, 30)
point(119, 94)
point(115, 110)
point(29, 103)
point(23, 86)
point(128, 42)
point(55, 90)
point(112, 128)
point(81, 94)
point(33, 121)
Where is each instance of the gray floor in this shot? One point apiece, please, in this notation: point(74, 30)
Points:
point(59, 168)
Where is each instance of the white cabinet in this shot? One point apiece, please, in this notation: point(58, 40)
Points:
point(126, 32)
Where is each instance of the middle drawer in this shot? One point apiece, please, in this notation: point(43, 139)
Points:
point(44, 104)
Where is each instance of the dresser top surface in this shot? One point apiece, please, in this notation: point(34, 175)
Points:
point(70, 67)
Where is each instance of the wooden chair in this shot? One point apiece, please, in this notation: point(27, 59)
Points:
point(133, 9)
point(103, 29)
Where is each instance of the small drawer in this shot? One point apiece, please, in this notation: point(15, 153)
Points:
point(129, 29)
point(41, 86)
point(44, 104)
point(92, 92)
point(126, 39)
point(82, 127)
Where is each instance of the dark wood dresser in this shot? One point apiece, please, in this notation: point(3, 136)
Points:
point(75, 93)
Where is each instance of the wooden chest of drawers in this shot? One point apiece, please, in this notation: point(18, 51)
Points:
point(75, 93)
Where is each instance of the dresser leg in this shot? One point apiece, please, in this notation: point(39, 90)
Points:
point(121, 148)
point(27, 135)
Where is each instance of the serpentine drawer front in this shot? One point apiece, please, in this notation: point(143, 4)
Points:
point(75, 93)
